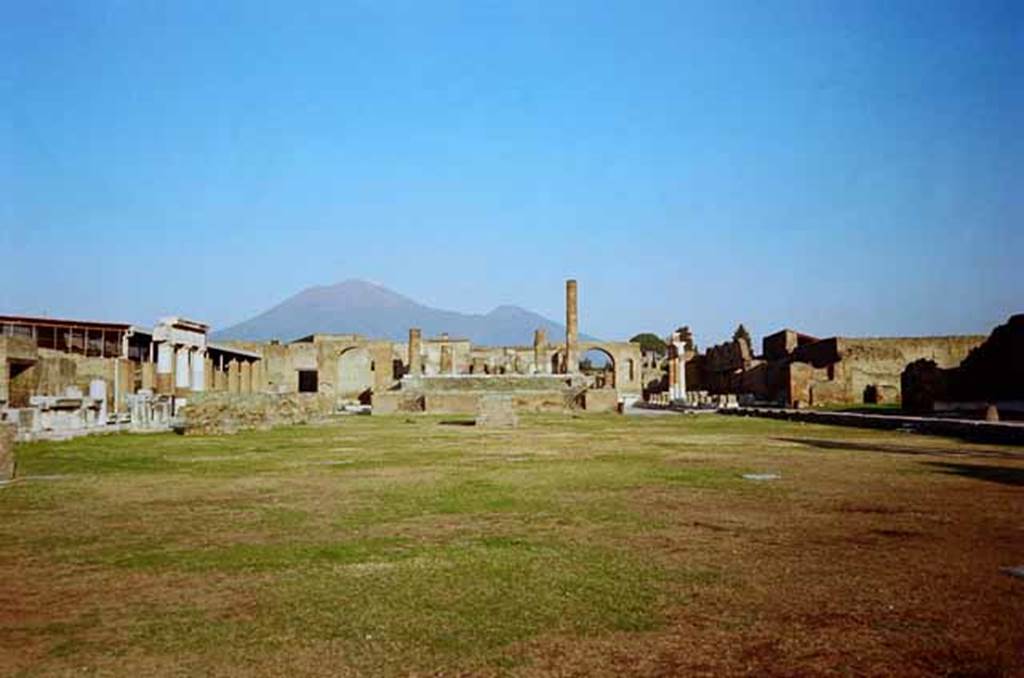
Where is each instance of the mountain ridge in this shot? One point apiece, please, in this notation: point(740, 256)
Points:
point(355, 306)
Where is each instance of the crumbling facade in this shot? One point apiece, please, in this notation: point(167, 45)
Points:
point(799, 370)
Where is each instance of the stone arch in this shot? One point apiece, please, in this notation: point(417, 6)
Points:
point(603, 377)
point(556, 362)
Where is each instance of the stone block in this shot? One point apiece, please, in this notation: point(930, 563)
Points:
point(496, 411)
point(451, 402)
point(391, 402)
point(601, 400)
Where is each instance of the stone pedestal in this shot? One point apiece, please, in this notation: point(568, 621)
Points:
point(497, 411)
point(98, 392)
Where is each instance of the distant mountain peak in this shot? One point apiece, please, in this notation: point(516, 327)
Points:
point(371, 309)
point(351, 293)
point(509, 309)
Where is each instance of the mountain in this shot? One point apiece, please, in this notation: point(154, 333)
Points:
point(360, 307)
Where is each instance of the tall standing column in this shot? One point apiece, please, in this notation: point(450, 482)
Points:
point(678, 370)
point(572, 362)
point(165, 360)
point(415, 360)
point(197, 358)
point(540, 342)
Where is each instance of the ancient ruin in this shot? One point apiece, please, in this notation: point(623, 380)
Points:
point(64, 378)
point(798, 370)
point(72, 377)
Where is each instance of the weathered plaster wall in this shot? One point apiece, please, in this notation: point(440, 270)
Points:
point(846, 370)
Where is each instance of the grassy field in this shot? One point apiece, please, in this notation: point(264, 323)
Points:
point(586, 545)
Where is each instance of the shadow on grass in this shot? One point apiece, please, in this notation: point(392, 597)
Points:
point(1005, 475)
point(891, 448)
point(457, 422)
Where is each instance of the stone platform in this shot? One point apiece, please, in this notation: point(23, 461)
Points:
point(463, 394)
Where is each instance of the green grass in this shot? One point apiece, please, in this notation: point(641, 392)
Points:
point(398, 543)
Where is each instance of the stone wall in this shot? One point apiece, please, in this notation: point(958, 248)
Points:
point(880, 362)
point(393, 402)
point(992, 372)
point(47, 372)
point(225, 413)
point(347, 366)
point(847, 371)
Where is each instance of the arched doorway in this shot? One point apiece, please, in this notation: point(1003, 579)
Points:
point(598, 366)
point(355, 372)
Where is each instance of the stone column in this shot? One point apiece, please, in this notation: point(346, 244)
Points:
point(257, 377)
point(149, 379)
point(245, 378)
point(572, 362)
point(182, 367)
point(233, 376)
point(126, 384)
point(540, 342)
point(415, 359)
point(209, 379)
point(197, 363)
point(165, 360)
point(677, 367)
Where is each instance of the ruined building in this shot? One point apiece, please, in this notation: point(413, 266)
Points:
point(799, 370)
point(77, 375)
point(992, 374)
point(448, 374)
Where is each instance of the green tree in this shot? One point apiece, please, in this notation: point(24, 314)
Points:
point(650, 342)
point(742, 333)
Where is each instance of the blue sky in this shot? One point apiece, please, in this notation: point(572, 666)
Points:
point(840, 168)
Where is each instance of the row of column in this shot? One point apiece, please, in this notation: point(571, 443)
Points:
point(238, 376)
point(191, 368)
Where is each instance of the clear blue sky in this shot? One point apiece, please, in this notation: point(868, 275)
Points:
point(844, 167)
